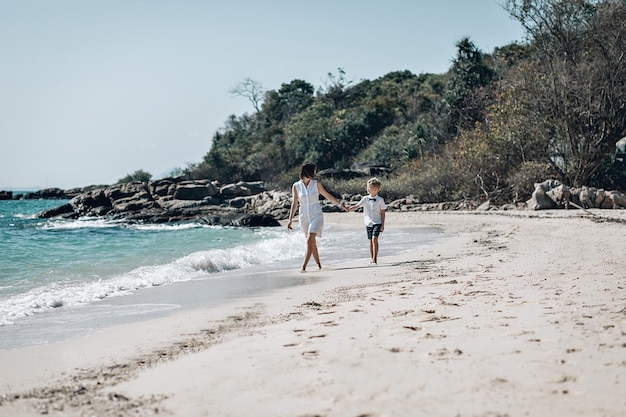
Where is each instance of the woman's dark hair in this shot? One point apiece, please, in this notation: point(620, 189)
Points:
point(308, 170)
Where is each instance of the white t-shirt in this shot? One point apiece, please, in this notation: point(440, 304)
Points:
point(372, 207)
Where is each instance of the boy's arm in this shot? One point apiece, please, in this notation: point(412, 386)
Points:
point(382, 218)
point(354, 207)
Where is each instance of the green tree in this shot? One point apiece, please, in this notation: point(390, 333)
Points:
point(469, 73)
point(279, 106)
point(575, 84)
point(139, 175)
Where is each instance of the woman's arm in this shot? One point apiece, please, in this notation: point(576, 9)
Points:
point(294, 205)
point(328, 195)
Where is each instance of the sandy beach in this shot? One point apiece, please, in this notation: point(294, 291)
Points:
point(514, 314)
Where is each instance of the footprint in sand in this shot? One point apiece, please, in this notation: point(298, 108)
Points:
point(444, 353)
point(310, 354)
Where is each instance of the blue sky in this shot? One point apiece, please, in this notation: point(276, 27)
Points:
point(92, 90)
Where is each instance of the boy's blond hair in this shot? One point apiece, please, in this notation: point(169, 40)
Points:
point(374, 181)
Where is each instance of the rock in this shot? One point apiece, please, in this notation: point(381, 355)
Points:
point(132, 204)
point(587, 196)
point(6, 195)
point(241, 220)
point(255, 187)
point(552, 194)
point(86, 202)
point(193, 191)
point(162, 187)
point(539, 199)
point(239, 202)
point(64, 210)
point(173, 200)
point(560, 195)
point(614, 199)
point(99, 211)
point(508, 207)
point(46, 193)
point(255, 220)
point(484, 206)
point(235, 190)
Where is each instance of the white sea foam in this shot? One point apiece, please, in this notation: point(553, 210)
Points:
point(198, 265)
point(165, 227)
point(100, 223)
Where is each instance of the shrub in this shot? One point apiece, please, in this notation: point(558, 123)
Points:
point(521, 182)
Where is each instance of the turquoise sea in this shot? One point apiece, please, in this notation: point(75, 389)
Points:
point(60, 278)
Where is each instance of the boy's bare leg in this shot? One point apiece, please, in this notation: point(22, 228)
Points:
point(374, 249)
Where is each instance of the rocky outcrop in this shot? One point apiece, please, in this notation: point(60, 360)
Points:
point(552, 194)
point(175, 200)
point(46, 193)
point(249, 204)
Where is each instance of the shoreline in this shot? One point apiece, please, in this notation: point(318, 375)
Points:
point(516, 313)
point(205, 290)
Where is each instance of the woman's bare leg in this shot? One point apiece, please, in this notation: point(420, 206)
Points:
point(316, 255)
point(311, 249)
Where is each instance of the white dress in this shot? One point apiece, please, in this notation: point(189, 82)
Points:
point(310, 211)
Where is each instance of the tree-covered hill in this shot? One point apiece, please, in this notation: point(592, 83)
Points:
point(492, 125)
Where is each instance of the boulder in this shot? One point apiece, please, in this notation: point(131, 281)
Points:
point(486, 206)
point(86, 202)
point(539, 199)
point(560, 195)
point(99, 211)
point(129, 189)
point(587, 196)
point(255, 187)
point(133, 204)
point(239, 202)
point(235, 190)
point(550, 195)
point(614, 199)
point(162, 187)
point(193, 191)
point(65, 210)
point(600, 196)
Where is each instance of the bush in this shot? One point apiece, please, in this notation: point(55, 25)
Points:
point(522, 181)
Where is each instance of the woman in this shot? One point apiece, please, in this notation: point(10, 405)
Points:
point(306, 193)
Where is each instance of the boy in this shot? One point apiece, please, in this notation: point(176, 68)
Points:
point(373, 215)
